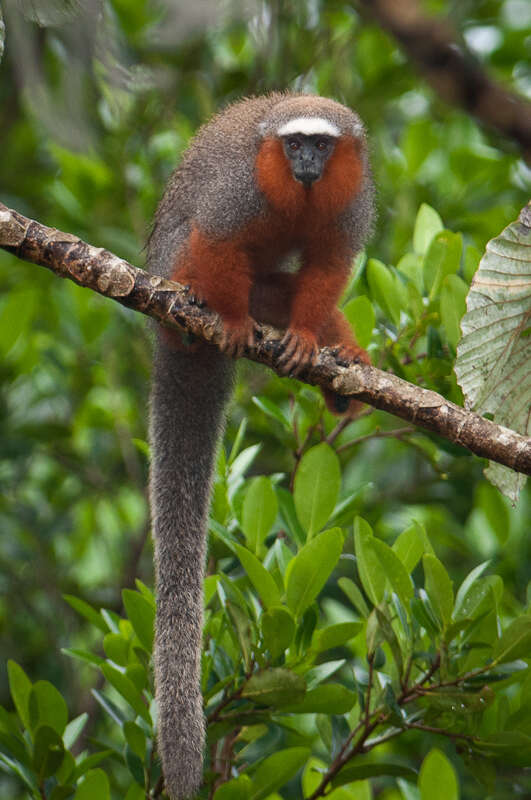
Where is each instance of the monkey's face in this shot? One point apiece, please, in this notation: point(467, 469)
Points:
point(307, 155)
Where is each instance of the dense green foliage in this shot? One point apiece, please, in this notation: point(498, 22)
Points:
point(348, 582)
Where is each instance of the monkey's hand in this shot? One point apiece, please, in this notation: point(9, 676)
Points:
point(300, 351)
point(237, 336)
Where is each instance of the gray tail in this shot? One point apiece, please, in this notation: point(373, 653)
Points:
point(187, 410)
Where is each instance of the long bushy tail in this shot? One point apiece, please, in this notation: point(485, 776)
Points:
point(187, 404)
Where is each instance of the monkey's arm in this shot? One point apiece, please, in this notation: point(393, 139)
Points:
point(318, 287)
point(218, 273)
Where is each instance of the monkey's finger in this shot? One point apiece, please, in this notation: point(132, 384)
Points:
point(305, 355)
point(299, 361)
point(288, 344)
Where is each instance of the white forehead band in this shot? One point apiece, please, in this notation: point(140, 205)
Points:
point(308, 126)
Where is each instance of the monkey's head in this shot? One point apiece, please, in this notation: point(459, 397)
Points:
point(311, 149)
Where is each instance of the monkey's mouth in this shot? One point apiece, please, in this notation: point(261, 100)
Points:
point(306, 176)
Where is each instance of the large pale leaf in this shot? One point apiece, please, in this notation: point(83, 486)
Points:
point(493, 365)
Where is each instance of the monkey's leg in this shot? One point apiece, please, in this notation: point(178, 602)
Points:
point(218, 272)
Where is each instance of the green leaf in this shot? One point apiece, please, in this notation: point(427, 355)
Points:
point(329, 698)
point(311, 568)
point(243, 461)
point(453, 306)
point(443, 258)
point(262, 580)
point(237, 789)
point(361, 316)
point(134, 765)
point(87, 763)
point(354, 595)
point(95, 784)
point(244, 631)
point(47, 707)
point(317, 483)
point(86, 611)
point(387, 631)
point(141, 613)
point(317, 675)
point(278, 630)
point(126, 688)
point(259, 512)
point(335, 635)
point(410, 546)
point(276, 770)
point(427, 225)
point(465, 588)
point(48, 752)
point(370, 570)
point(506, 747)
point(383, 289)
point(419, 610)
point(274, 687)
point(439, 587)
point(437, 778)
point(135, 792)
point(74, 729)
point(289, 515)
point(116, 648)
point(344, 510)
point(135, 738)
point(515, 641)
point(20, 688)
point(272, 410)
point(359, 772)
point(83, 655)
point(394, 570)
point(235, 449)
point(410, 266)
point(27, 776)
point(210, 585)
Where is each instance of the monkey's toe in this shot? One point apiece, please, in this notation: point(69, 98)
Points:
point(351, 355)
point(236, 339)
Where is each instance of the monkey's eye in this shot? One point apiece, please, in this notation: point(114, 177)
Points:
point(293, 144)
point(322, 145)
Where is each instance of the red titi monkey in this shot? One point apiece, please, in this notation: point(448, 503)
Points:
point(261, 219)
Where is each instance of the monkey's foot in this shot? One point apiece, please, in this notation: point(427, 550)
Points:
point(351, 354)
point(300, 351)
point(237, 337)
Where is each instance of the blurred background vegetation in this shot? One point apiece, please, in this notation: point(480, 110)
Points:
point(97, 102)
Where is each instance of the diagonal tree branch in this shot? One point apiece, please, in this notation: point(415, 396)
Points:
point(452, 70)
point(169, 303)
